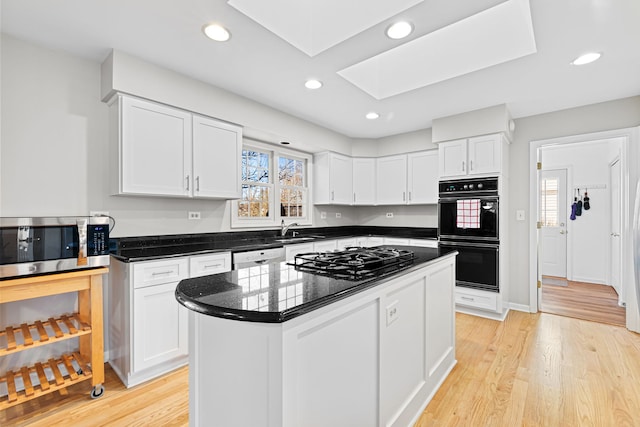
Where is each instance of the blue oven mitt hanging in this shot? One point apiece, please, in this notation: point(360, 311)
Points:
point(574, 206)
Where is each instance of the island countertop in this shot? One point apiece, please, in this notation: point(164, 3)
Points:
point(277, 292)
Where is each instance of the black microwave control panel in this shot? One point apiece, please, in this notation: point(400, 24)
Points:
point(97, 239)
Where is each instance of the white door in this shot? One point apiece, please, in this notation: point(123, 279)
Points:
point(364, 181)
point(217, 151)
point(553, 216)
point(615, 241)
point(156, 149)
point(485, 154)
point(341, 172)
point(453, 158)
point(422, 177)
point(391, 180)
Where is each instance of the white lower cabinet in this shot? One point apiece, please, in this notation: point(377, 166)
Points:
point(343, 244)
point(292, 250)
point(475, 298)
point(325, 245)
point(148, 327)
point(159, 326)
point(396, 241)
point(425, 243)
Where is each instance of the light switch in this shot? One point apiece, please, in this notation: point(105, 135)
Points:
point(520, 215)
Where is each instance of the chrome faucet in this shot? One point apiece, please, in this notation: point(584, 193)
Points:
point(285, 228)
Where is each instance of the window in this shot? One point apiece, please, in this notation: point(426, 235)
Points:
point(549, 202)
point(269, 197)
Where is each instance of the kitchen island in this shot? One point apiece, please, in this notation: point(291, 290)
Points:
point(271, 345)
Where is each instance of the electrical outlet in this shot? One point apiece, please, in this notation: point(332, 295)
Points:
point(194, 215)
point(338, 215)
point(98, 213)
point(392, 312)
point(389, 214)
point(323, 215)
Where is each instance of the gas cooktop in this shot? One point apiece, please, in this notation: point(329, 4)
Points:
point(355, 263)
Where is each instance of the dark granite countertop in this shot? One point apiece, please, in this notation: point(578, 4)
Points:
point(131, 249)
point(277, 292)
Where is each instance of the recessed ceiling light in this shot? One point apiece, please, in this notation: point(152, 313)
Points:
point(372, 115)
point(586, 58)
point(216, 32)
point(399, 30)
point(313, 84)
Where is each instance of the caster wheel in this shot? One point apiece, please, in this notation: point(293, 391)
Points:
point(97, 391)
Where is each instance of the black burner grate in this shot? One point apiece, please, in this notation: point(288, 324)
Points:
point(355, 263)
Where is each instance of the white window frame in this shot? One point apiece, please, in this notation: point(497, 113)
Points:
point(274, 219)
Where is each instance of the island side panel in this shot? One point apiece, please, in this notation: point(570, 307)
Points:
point(331, 367)
point(235, 372)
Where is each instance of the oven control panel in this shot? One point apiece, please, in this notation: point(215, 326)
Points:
point(474, 185)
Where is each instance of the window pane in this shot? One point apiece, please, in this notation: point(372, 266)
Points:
point(549, 202)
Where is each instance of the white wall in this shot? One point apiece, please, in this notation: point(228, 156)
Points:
point(588, 238)
point(55, 137)
point(403, 216)
point(611, 115)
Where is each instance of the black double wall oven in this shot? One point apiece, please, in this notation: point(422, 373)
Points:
point(468, 221)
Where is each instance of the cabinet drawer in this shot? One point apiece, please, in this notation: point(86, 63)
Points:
point(152, 273)
point(204, 265)
point(396, 241)
point(477, 299)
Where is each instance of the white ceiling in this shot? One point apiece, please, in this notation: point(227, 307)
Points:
point(259, 64)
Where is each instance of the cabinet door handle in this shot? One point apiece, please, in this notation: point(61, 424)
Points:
point(354, 197)
point(409, 195)
point(463, 166)
point(187, 182)
point(331, 195)
point(213, 266)
point(161, 273)
point(197, 183)
point(467, 298)
point(404, 195)
point(471, 164)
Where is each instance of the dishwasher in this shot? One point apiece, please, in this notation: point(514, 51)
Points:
point(258, 257)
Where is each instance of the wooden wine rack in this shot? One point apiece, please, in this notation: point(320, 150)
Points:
point(29, 382)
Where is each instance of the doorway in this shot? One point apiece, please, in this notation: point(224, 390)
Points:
point(568, 278)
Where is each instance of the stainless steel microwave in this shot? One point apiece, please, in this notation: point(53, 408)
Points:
point(52, 244)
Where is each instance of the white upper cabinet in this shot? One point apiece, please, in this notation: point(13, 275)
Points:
point(391, 180)
point(333, 179)
point(485, 154)
point(482, 155)
point(217, 149)
point(165, 151)
point(422, 177)
point(364, 181)
point(155, 148)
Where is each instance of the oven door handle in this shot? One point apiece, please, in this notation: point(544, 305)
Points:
point(495, 199)
point(495, 246)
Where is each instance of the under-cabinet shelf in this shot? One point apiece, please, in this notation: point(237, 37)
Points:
point(42, 378)
point(26, 336)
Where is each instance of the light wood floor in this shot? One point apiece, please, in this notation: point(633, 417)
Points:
point(162, 402)
point(530, 370)
point(589, 301)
